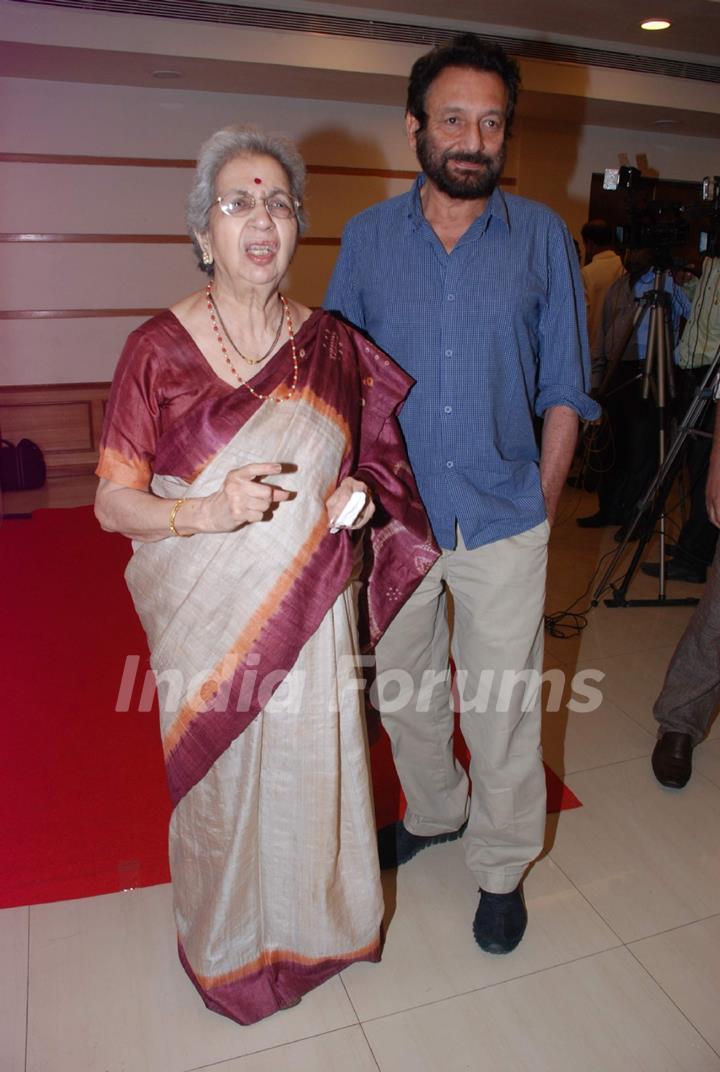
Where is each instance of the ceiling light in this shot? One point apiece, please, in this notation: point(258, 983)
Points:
point(167, 74)
point(655, 24)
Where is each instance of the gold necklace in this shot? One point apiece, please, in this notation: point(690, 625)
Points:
point(228, 336)
point(242, 382)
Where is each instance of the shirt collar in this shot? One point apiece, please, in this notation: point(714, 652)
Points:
point(495, 208)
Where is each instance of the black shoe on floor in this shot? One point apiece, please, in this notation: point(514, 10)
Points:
point(597, 521)
point(677, 570)
point(500, 921)
point(396, 845)
point(672, 759)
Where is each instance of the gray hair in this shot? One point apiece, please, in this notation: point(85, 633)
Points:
point(224, 145)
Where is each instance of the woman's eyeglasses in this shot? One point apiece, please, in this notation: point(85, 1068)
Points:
point(241, 203)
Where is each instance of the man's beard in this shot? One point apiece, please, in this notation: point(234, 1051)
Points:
point(464, 185)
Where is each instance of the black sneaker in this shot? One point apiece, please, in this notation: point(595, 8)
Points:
point(500, 921)
point(396, 845)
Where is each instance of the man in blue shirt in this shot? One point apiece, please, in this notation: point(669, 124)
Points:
point(478, 296)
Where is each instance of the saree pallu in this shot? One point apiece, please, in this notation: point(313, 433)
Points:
point(254, 643)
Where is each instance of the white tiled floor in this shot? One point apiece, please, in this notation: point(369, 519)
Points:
point(619, 970)
point(13, 985)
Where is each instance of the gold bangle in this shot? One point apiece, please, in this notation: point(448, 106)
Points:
point(171, 522)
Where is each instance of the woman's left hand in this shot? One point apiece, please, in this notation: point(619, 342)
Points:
point(341, 496)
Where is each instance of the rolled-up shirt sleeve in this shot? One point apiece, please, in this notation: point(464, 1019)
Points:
point(563, 358)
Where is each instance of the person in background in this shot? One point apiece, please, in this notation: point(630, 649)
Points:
point(602, 267)
point(690, 695)
point(477, 295)
point(695, 548)
point(618, 357)
point(239, 426)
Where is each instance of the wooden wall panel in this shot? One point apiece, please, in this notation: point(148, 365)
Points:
point(65, 420)
point(61, 426)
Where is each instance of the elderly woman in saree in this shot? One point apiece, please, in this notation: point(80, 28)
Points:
point(239, 425)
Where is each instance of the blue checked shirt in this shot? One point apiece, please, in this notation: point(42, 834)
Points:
point(492, 332)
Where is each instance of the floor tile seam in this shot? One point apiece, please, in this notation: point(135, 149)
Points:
point(671, 930)
point(617, 703)
point(601, 766)
point(621, 711)
point(618, 763)
point(640, 937)
point(627, 942)
point(495, 985)
point(706, 777)
point(376, 1059)
point(589, 770)
point(347, 992)
point(672, 1001)
point(267, 1049)
point(593, 908)
point(611, 763)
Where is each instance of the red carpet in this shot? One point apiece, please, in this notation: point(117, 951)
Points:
point(82, 795)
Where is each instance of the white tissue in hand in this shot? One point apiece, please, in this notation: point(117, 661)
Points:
point(350, 511)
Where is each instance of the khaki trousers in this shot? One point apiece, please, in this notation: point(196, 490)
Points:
point(498, 596)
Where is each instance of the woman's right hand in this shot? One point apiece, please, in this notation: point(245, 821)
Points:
point(143, 516)
point(242, 499)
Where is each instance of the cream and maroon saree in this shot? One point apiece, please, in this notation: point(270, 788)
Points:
point(254, 642)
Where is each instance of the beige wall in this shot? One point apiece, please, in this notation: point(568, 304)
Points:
point(551, 162)
point(556, 160)
point(64, 118)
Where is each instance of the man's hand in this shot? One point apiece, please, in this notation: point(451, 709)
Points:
point(558, 446)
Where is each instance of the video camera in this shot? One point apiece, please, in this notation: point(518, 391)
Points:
point(660, 226)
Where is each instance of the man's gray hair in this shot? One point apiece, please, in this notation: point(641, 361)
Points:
point(224, 145)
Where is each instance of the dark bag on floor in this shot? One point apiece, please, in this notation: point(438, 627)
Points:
point(22, 467)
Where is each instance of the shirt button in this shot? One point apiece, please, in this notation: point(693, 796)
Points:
point(448, 353)
point(451, 297)
point(448, 409)
point(450, 464)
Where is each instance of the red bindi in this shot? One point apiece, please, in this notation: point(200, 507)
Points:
point(257, 181)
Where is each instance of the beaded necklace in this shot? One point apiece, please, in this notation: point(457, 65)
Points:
point(243, 383)
point(236, 348)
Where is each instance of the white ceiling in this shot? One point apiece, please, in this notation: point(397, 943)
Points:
point(74, 44)
point(611, 24)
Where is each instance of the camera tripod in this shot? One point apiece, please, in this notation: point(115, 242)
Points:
point(649, 512)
